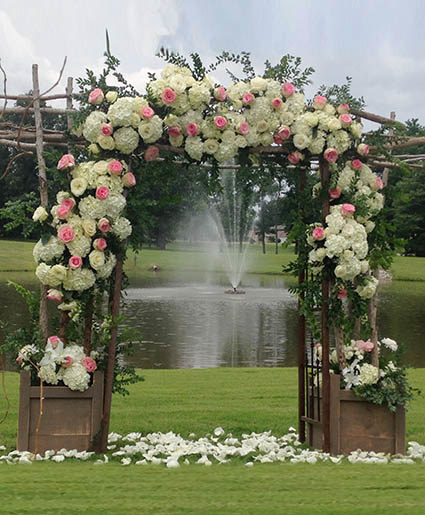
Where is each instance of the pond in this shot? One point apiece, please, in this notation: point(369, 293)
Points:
point(187, 322)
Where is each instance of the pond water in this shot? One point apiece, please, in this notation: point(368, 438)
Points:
point(187, 322)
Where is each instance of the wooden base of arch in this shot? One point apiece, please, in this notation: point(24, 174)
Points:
point(70, 420)
point(358, 424)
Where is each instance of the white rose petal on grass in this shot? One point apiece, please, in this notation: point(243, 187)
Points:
point(58, 458)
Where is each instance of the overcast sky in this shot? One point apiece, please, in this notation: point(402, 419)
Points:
point(380, 43)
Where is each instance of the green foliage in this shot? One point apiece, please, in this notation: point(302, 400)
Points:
point(342, 94)
point(18, 212)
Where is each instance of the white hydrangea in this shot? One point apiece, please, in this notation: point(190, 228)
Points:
point(79, 246)
point(53, 249)
point(226, 152)
point(42, 273)
point(120, 112)
point(105, 271)
point(194, 147)
point(93, 125)
point(340, 140)
point(122, 228)
point(126, 140)
point(368, 374)
point(75, 377)
point(91, 207)
point(150, 130)
point(367, 289)
point(115, 203)
point(48, 374)
point(79, 279)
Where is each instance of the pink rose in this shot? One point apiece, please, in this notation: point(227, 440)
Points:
point(363, 149)
point(66, 161)
point(129, 180)
point(284, 132)
point(66, 233)
point(168, 96)
point(102, 192)
point(62, 211)
point(335, 193)
point(248, 98)
point(104, 225)
point(220, 122)
point(345, 119)
point(147, 112)
point(151, 153)
point(67, 361)
point(55, 295)
point(318, 233)
point(89, 364)
point(100, 244)
point(276, 103)
point(295, 157)
point(356, 164)
point(343, 109)
point(68, 202)
point(244, 128)
point(220, 93)
point(192, 129)
point(288, 89)
point(115, 167)
point(174, 132)
point(277, 140)
point(53, 340)
point(96, 97)
point(342, 293)
point(347, 209)
point(364, 346)
point(379, 183)
point(331, 155)
point(319, 102)
point(107, 129)
point(75, 262)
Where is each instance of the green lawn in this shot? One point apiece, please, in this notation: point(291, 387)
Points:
point(239, 400)
point(16, 256)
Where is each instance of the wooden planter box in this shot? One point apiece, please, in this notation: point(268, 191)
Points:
point(70, 418)
point(358, 424)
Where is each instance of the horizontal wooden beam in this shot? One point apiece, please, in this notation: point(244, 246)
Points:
point(30, 97)
point(47, 110)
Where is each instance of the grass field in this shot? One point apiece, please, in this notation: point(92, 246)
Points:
point(185, 401)
point(17, 256)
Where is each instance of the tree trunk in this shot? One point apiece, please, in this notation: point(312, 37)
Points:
point(263, 241)
point(161, 241)
point(276, 240)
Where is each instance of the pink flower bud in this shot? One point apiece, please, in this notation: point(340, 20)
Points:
point(129, 180)
point(192, 129)
point(379, 183)
point(66, 161)
point(107, 129)
point(55, 295)
point(345, 119)
point(68, 202)
point(356, 164)
point(276, 103)
point(53, 340)
point(318, 233)
point(151, 153)
point(62, 212)
point(347, 209)
point(75, 262)
point(244, 128)
point(331, 155)
point(89, 364)
point(168, 96)
point(287, 89)
point(147, 112)
point(174, 131)
point(343, 109)
point(220, 93)
point(248, 98)
point(220, 122)
point(104, 225)
point(319, 102)
point(100, 244)
point(115, 167)
point(363, 149)
point(342, 293)
point(67, 361)
point(96, 97)
point(295, 157)
point(284, 132)
point(102, 193)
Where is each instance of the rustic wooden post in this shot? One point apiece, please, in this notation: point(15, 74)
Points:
point(102, 444)
point(301, 320)
point(68, 92)
point(42, 178)
point(326, 392)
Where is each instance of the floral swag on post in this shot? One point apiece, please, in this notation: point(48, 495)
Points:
point(208, 122)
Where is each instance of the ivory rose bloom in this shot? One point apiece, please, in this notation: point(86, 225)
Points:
point(66, 233)
point(363, 149)
point(331, 155)
point(40, 214)
point(78, 186)
point(89, 226)
point(111, 96)
point(66, 161)
point(129, 180)
point(97, 259)
point(96, 96)
point(115, 167)
point(102, 193)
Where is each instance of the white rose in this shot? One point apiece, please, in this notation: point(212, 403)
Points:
point(40, 214)
point(78, 186)
point(97, 259)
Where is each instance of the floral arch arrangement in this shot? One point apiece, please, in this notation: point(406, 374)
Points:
point(80, 256)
